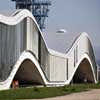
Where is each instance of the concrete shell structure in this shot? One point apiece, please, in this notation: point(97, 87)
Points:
point(24, 55)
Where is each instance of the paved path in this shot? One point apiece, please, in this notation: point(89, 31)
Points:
point(88, 95)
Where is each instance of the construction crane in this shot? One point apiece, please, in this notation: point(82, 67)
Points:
point(39, 9)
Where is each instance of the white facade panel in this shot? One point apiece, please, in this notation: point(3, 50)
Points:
point(70, 64)
point(57, 68)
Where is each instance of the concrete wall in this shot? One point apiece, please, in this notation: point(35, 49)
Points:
point(58, 69)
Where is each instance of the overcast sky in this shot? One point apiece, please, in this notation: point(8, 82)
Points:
point(73, 15)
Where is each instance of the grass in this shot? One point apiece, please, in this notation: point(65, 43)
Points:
point(44, 92)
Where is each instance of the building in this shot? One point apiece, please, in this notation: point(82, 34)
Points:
point(25, 56)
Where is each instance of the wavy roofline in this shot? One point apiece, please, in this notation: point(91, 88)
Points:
point(16, 18)
point(20, 14)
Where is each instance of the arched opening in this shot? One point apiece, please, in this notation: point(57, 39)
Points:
point(84, 73)
point(28, 75)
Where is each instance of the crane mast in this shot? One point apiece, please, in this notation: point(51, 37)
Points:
point(39, 9)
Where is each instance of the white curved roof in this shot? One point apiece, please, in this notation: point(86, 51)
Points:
point(19, 15)
point(60, 42)
point(15, 19)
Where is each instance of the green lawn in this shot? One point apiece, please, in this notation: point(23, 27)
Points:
point(44, 92)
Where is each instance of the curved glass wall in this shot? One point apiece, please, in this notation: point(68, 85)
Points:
point(39, 48)
point(12, 43)
point(14, 39)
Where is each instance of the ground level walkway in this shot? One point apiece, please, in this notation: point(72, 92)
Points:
point(88, 95)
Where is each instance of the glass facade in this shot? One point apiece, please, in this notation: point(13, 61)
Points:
point(33, 37)
point(44, 60)
point(12, 44)
point(38, 47)
point(13, 41)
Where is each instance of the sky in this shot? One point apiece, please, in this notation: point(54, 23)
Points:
point(75, 16)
